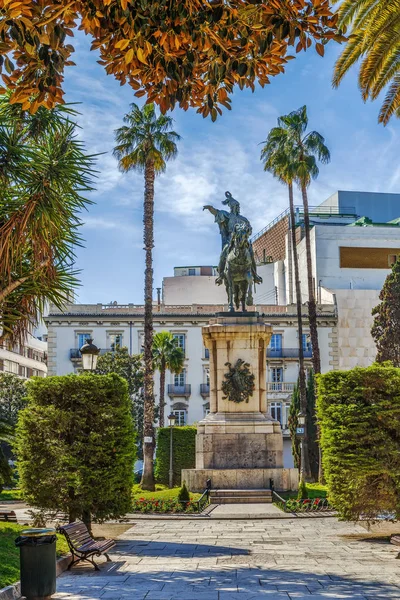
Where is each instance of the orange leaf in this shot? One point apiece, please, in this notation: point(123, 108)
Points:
point(320, 49)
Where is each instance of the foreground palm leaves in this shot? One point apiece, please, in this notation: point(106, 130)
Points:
point(375, 41)
point(190, 52)
point(44, 171)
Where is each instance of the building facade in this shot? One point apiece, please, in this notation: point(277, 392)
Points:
point(25, 360)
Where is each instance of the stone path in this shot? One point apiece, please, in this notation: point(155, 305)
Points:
point(309, 559)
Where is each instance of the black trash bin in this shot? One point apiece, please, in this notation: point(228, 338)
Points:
point(38, 563)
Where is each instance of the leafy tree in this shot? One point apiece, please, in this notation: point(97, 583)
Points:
point(166, 355)
point(130, 368)
point(374, 40)
point(12, 397)
point(189, 52)
point(145, 143)
point(278, 161)
point(76, 445)
point(43, 173)
point(293, 424)
point(6, 435)
point(359, 415)
point(303, 149)
point(386, 327)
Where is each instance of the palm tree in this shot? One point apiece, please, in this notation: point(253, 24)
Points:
point(43, 173)
point(145, 143)
point(303, 150)
point(375, 40)
point(278, 162)
point(166, 355)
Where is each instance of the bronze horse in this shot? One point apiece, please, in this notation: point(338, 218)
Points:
point(238, 276)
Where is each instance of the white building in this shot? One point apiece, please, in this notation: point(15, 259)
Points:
point(25, 360)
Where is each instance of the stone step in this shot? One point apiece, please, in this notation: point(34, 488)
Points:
point(240, 500)
point(255, 496)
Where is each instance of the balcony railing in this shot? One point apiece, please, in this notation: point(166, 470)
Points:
point(179, 390)
point(280, 386)
point(205, 389)
point(288, 353)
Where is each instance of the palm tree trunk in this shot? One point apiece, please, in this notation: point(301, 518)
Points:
point(305, 462)
point(147, 482)
point(162, 392)
point(312, 308)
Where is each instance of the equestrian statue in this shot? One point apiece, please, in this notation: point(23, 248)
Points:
point(237, 266)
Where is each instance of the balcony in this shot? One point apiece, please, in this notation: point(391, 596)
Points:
point(179, 390)
point(205, 390)
point(288, 353)
point(282, 387)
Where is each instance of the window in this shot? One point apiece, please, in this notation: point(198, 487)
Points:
point(180, 416)
point(276, 411)
point(180, 337)
point(307, 342)
point(286, 416)
point(392, 259)
point(11, 367)
point(82, 337)
point(276, 342)
point(276, 379)
point(22, 371)
point(192, 271)
point(115, 341)
point(180, 378)
point(206, 353)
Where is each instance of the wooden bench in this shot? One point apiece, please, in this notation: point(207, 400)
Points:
point(82, 545)
point(395, 539)
point(8, 515)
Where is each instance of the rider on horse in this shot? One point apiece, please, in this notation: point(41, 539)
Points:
point(227, 224)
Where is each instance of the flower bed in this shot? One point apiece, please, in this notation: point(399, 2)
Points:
point(159, 505)
point(293, 505)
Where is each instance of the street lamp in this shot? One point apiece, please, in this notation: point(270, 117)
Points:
point(171, 422)
point(89, 353)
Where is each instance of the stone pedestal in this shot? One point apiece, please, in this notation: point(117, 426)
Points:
point(238, 445)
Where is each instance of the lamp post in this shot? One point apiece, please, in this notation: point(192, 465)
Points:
point(90, 354)
point(171, 421)
point(300, 432)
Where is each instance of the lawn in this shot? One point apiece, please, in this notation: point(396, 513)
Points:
point(162, 493)
point(9, 554)
point(314, 490)
point(14, 494)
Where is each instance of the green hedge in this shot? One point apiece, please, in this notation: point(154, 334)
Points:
point(183, 452)
point(76, 445)
point(359, 412)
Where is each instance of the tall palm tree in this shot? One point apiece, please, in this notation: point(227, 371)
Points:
point(375, 40)
point(166, 355)
point(145, 143)
point(277, 161)
point(303, 150)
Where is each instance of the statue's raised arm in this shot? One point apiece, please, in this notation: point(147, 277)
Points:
point(237, 268)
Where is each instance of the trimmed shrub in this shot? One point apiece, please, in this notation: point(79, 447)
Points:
point(183, 452)
point(303, 493)
point(184, 495)
point(76, 445)
point(359, 412)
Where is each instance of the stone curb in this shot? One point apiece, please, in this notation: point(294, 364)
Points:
point(162, 517)
point(13, 592)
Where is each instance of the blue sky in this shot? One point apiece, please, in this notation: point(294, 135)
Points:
point(213, 158)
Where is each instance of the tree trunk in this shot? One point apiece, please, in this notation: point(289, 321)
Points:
point(162, 392)
point(87, 519)
point(147, 482)
point(305, 462)
point(312, 308)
